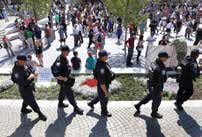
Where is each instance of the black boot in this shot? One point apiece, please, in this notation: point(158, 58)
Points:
point(26, 111)
point(62, 105)
point(179, 107)
point(78, 110)
point(42, 116)
point(91, 106)
point(137, 107)
point(156, 115)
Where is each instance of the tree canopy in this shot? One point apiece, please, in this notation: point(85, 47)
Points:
point(129, 10)
point(39, 8)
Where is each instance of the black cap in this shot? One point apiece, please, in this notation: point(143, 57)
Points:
point(103, 53)
point(65, 48)
point(163, 54)
point(22, 57)
point(75, 53)
point(195, 51)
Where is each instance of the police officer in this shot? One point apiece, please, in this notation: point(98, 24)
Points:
point(189, 72)
point(62, 72)
point(104, 76)
point(24, 75)
point(198, 35)
point(157, 77)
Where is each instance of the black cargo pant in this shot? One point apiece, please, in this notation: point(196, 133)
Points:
point(29, 99)
point(102, 98)
point(76, 40)
point(155, 96)
point(184, 93)
point(68, 93)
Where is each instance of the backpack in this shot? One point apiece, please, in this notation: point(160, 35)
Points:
point(55, 68)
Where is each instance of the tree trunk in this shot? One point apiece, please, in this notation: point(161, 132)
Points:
point(126, 28)
point(34, 11)
point(50, 14)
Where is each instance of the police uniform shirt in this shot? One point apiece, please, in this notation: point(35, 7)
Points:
point(63, 65)
point(159, 75)
point(19, 73)
point(190, 69)
point(103, 73)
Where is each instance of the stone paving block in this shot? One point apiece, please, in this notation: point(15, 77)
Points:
point(64, 123)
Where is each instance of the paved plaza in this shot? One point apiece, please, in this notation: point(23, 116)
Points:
point(62, 123)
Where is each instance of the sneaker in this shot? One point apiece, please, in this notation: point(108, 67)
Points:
point(179, 107)
point(62, 105)
point(137, 107)
point(26, 111)
point(78, 111)
point(91, 106)
point(106, 114)
point(156, 115)
point(42, 117)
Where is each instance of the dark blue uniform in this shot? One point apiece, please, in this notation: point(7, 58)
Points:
point(26, 87)
point(157, 77)
point(190, 71)
point(104, 76)
point(64, 70)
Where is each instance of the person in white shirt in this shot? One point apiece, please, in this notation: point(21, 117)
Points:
point(80, 31)
point(76, 35)
point(169, 27)
point(33, 63)
point(151, 39)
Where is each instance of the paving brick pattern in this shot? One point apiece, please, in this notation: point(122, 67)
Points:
point(62, 123)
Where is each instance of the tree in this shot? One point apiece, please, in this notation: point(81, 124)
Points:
point(39, 8)
point(129, 11)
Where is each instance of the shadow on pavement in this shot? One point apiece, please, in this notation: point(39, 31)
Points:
point(12, 59)
point(10, 25)
point(118, 61)
point(100, 129)
point(25, 127)
point(190, 126)
point(57, 129)
point(153, 127)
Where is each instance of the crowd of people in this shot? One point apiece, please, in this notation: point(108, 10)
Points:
point(92, 21)
point(90, 18)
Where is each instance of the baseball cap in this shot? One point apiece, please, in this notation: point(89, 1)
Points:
point(163, 54)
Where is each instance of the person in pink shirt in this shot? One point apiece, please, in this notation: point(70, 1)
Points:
point(7, 45)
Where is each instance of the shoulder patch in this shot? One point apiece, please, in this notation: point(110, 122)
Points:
point(58, 64)
point(102, 71)
point(153, 66)
point(16, 75)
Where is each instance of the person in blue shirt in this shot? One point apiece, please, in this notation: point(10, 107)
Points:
point(90, 61)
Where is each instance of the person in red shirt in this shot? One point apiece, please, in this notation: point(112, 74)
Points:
point(48, 34)
point(130, 45)
point(8, 46)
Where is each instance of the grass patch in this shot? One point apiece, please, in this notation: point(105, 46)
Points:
point(132, 89)
point(198, 89)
